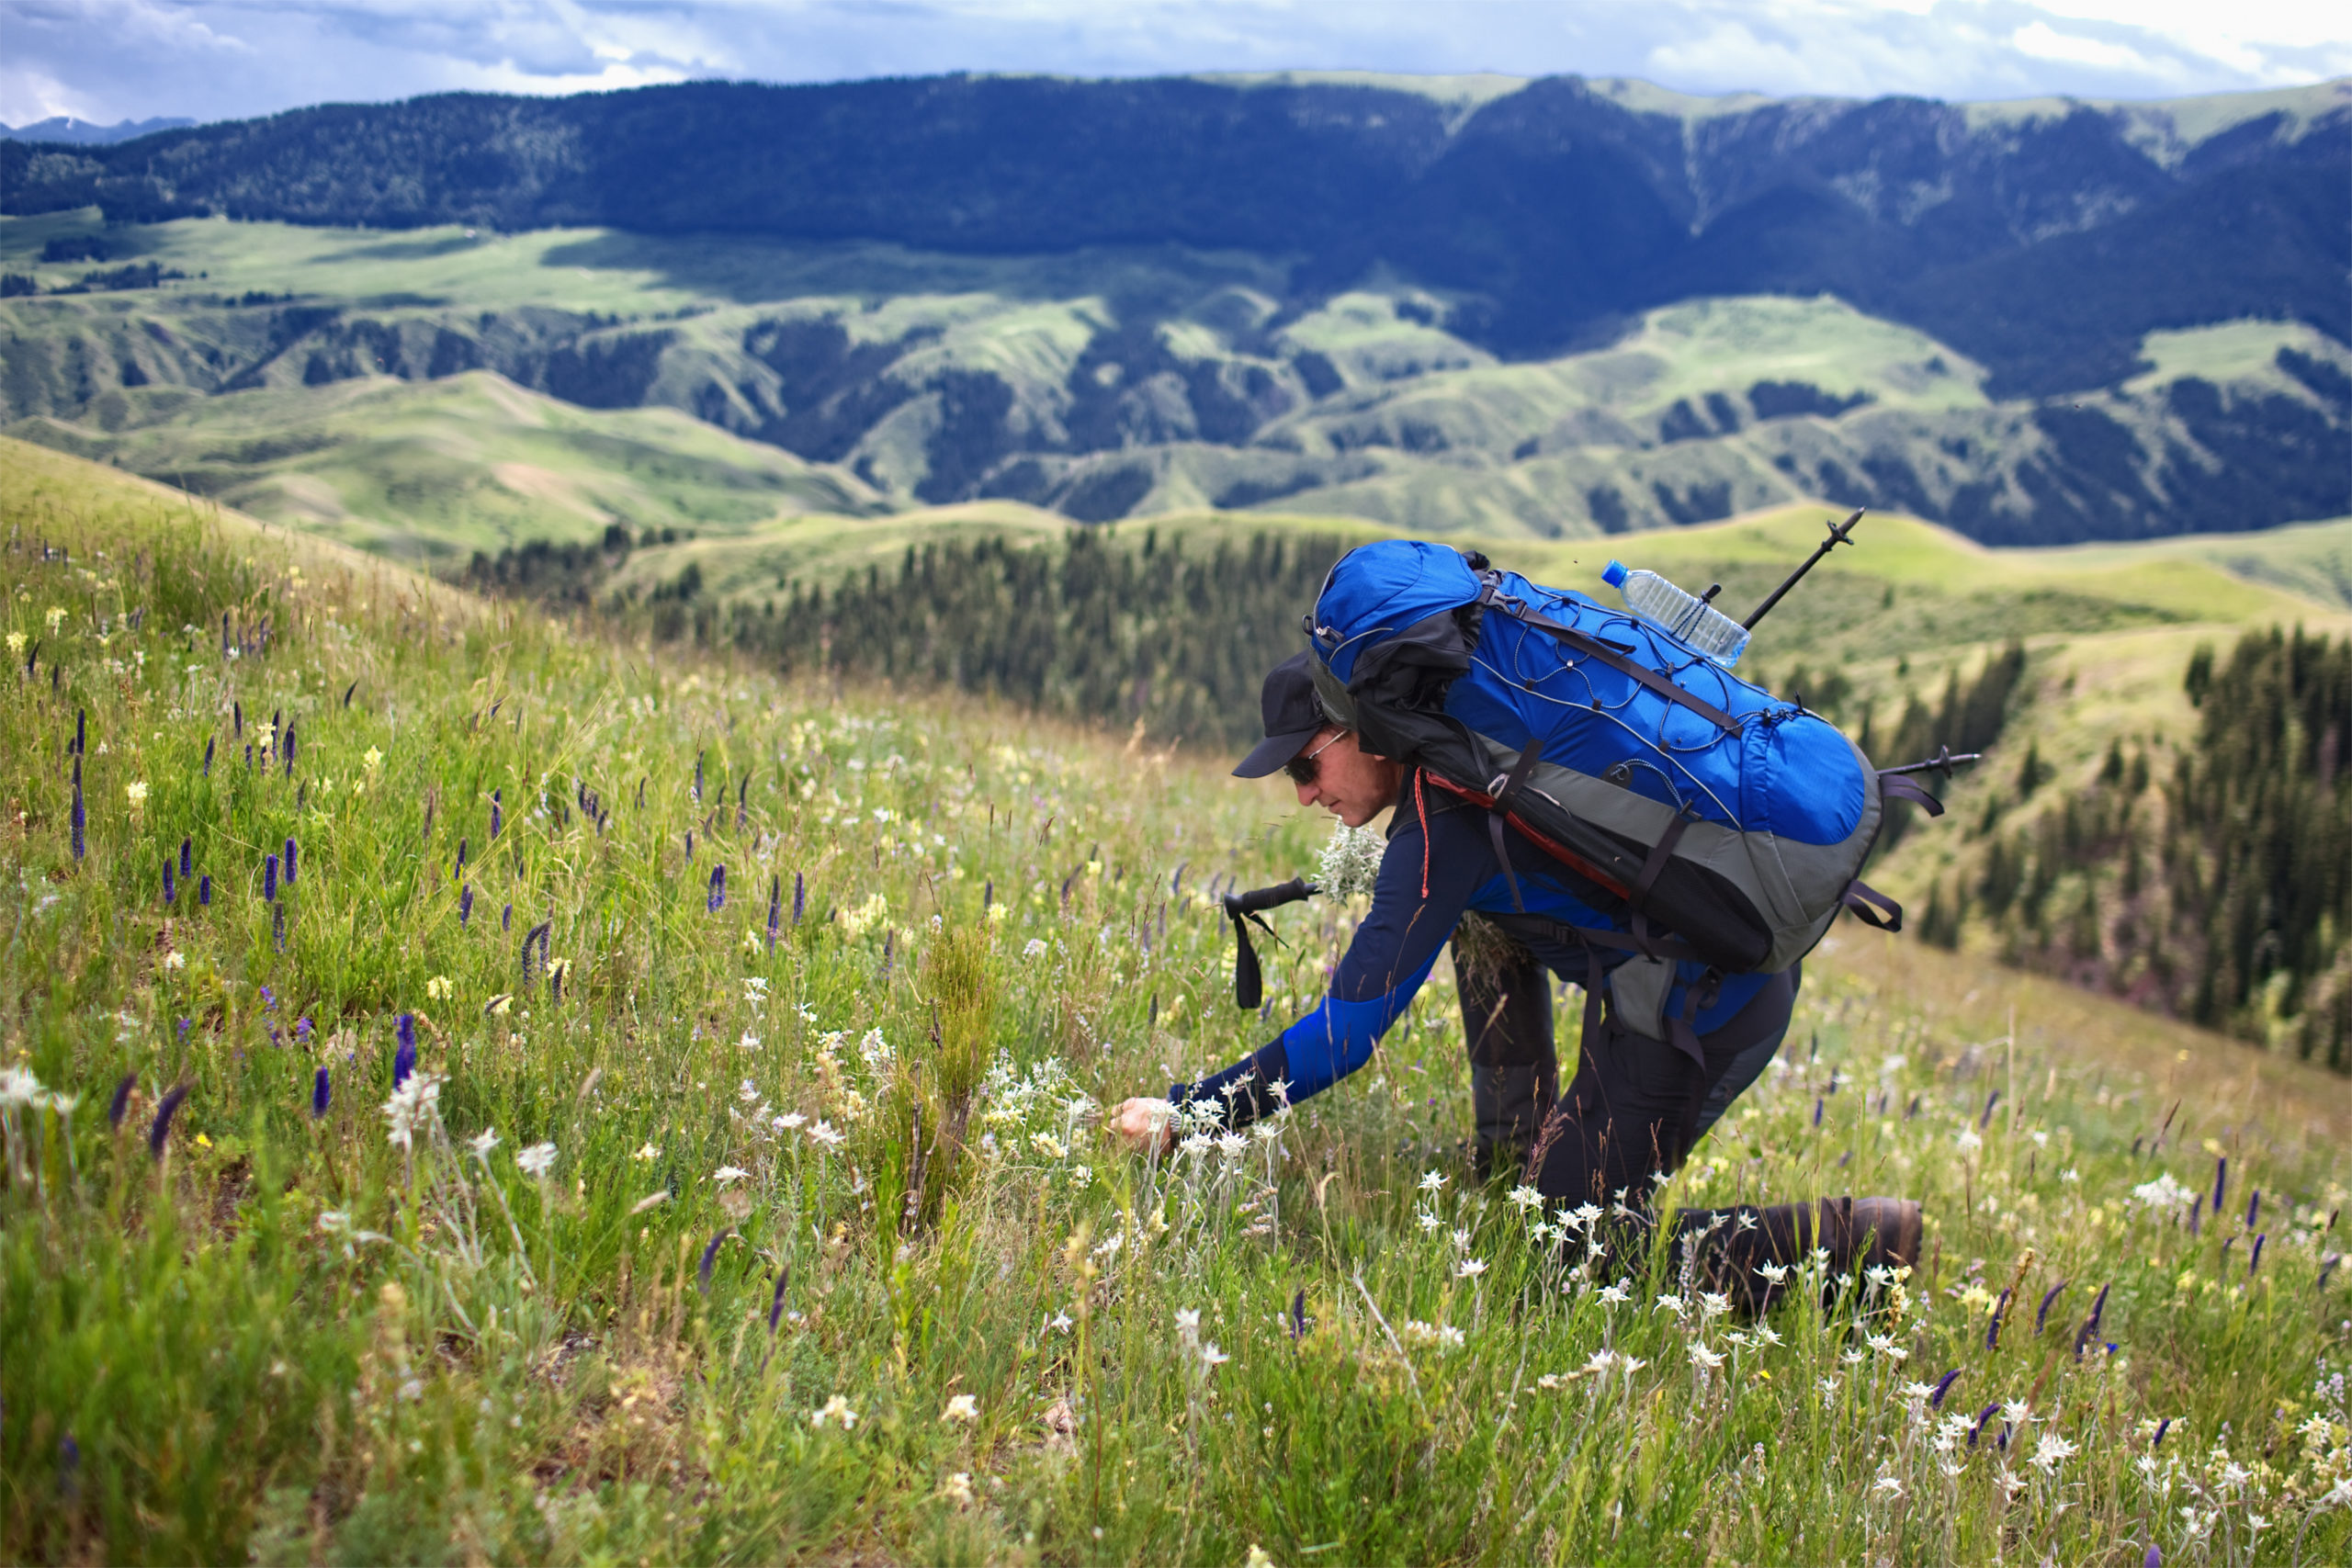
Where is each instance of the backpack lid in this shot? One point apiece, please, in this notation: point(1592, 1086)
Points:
point(1379, 589)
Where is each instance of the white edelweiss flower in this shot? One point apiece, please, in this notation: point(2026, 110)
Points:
point(1886, 1485)
point(1704, 1357)
point(1429, 1222)
point(963, 1407)
point(826, 1134)
point(1618, 1293)
point(1671, 1303)
point(1526, 1197)
point(650, 1151)
point(1048, 1146)
point(2052, 1451)
point(536, 1160)
point(958, 1487)
point(1587, 1213)
point(1713, 1305)
point(836, 1409)
point(483, 1142)
point(1470, 1269)
point(726, 1174)
point(1211, 1356)
point(788, 1120)
point(2016, 1411)
point(1034, 948)
point(1433, 1181)
point(1450, 1338)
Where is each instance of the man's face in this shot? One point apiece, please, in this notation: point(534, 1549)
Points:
point(1349, 783)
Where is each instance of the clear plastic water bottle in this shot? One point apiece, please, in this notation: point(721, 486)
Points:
point(1692, 620)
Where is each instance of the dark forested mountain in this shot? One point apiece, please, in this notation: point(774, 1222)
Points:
point(2032, 251)
point(2042, 242)
point(64, 128)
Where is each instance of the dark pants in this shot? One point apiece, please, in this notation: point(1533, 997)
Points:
point(1636, 1105)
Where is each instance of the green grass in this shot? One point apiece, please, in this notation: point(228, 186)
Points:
point(432, 471)
point(289, 1340)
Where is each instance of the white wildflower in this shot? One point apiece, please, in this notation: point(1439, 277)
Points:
point(1704, 1357)
point(1034, 948)
point(962, 1407)
point(827, 1134)
point(483, 1142)
point(727, 1173)
point(1470, 1269)
point(2051, 1453)
point(1350, 863)
point(836, 1409)
point(958, 1489)
point(415, 1104)
point(1433, 1181)
point(536, 1160)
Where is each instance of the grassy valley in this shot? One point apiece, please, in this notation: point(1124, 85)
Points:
point(657, 1121)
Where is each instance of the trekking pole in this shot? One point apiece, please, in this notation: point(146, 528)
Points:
point(1240, 908)
point(1944, 761)
point(1839, 534)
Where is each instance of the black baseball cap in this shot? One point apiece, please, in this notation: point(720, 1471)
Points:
point(1293, 716)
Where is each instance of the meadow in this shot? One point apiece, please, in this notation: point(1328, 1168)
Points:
point(478, 1087)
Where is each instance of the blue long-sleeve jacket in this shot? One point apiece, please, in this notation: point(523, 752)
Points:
point(1440, 862)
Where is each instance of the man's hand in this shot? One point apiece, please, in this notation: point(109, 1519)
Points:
point(1143, 1123)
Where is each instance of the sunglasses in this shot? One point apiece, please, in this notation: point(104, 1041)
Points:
point(1302, 771)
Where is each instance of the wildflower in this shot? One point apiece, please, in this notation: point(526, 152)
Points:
point(717, 899)
point(415, 1101)
point(1048, 1146)
point(464, 905)
point(826, 1134)
point(788, 1120)
point(122, 1101)
point(1887, 1486)
point(1034, 948)
point(1670, 1303)
point(1432, 1181)
point(2052, 1451)
point(371, 760)
point(1704, 1358)
point(1713, 1305)
point(136, 793)
point(438, 988)
point(962, 1407)
point(320, 1094)
point(175, 959)
point(404, 1058)
point(1618, 1293)
point(726, 1174)
point(536, 1160)
point(1526, 1197)
point(958, 1489)
point(1943, 1386)
point(161, 1129)
point(1429, 1222)
point(1885, 1345)
point(836, 1409)
point(1470, 1269)
point(290, 862)
point(482, 1142)
point(650, 1151)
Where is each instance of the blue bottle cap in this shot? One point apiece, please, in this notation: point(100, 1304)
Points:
point(1613, 574)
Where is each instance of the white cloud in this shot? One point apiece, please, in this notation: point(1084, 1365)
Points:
point(107, 59)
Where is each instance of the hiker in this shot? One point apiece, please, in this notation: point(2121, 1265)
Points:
point(1638, 1103)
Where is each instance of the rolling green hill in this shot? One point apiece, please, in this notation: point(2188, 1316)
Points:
point(1131, 382)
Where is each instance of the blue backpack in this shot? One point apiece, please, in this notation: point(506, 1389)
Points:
point(1730, 822)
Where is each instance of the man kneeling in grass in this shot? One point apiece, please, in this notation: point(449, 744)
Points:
point(1637, 1104)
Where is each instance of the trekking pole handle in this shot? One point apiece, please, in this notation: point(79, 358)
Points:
point(1839, 534)
point(1944, 761)
point(1258, 899)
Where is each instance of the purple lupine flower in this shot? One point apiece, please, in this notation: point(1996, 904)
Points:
point(346, 692)
point(690, 846)
point(497, 812)
point(799, 898)
point(161, 1129)
point(302, 1029)
point(640, 791)
point(2154, 1559)
point(2255, 1262)
point(2162, 1428)
point(743, 790)
point(776, 906)
point(709, 1256)
point(988, 895)
point(464, 905)
point(322, 1094)
point(289, 750)
point(2195, 1204)
point(1176, 883)
point(277, 926)
point(80, 816)
point(506, 917)
point(717, 899)
point(268, 999)
point(2253, 1207)
point(1298, 1316)
point(204, 892)
point(2098, 1308)
point(81, 732)
point(1993, 1326)
point(1982, 1417)
point(2221, 1181)
point(122, 1101)
point(459, 875)
point(208, 741)
point(1943, 1386)
point(249, 757)
point(404, 1059)
point(236, 711)
point(2042, 1317)
point(187, 862)
point(1817, 1103)
point(697, 778)
point(169, 889)
point(1990, 1100)
point(290, 862)
point(269, 877)
point(889, 947)
point(1153, 1021)
point(776, 1303)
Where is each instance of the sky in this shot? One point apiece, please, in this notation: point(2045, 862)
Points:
point(111, 60)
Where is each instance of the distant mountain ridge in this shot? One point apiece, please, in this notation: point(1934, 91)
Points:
point(2043, 240)
point(65, 128)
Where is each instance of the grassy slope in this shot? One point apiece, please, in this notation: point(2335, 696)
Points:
point(432, 471)
point(1424, 432)
point(286, 1340)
